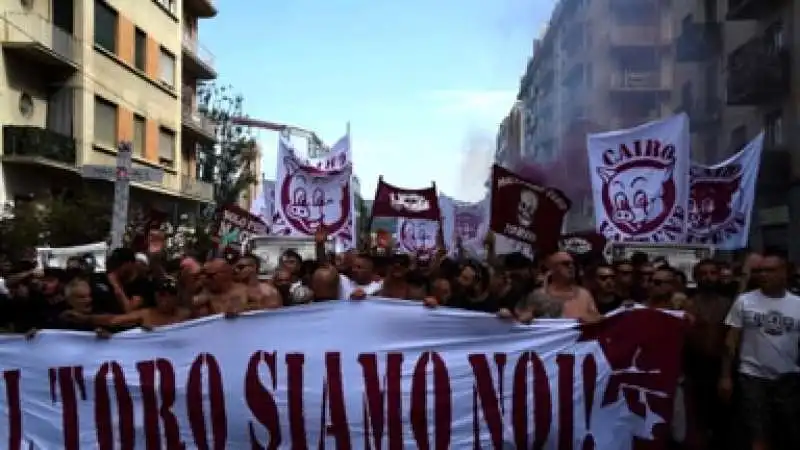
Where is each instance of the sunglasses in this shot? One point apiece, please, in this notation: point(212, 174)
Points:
point(659, 282)
point(605, 277)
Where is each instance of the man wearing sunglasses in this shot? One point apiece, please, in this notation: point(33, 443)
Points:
point(560, 297)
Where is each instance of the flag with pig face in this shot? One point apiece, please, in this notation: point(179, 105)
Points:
point(640, 181)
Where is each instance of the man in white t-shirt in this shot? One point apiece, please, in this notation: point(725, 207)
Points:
point(362, 282)
point(765, 329)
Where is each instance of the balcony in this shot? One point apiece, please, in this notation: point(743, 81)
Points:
point(195, 122)
point(630, 81)
point(36, 145)
point(752, 9)
point(200, 8)
point(197, 59)
point(758, 73)
point(36, 38)
point(195, 188)
point(638, 36)
point(699, 42)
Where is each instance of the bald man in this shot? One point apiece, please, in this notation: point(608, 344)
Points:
point(325, 284)
point(220, 293)
point(560, 297)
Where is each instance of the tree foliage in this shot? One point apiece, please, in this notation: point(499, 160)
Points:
point(229, 163)
point(61, 221)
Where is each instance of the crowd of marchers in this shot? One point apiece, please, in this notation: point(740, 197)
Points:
point(741, 383)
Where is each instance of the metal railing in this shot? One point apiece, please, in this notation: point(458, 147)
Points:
point(33, 28)
point(640, 35)
point(197, 49)
point(35, 142)
point(190, 113)
point(196, 188)
point(638, 80)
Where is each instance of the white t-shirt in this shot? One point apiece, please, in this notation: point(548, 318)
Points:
point(770, 333)
point(347, 286)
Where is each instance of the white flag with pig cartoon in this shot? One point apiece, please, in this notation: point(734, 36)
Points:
point(311, 195)
point(640, 181)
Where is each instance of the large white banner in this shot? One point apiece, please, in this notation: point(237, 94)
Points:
point(345, 374)
point(640, 181)
point(722, 197)
point(314, 194)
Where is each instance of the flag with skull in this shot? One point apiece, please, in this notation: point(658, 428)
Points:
point(526, 211)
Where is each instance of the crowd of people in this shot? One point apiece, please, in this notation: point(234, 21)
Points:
point(743, 347)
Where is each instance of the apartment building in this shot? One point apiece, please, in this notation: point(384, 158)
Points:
point(510, 138)
point(599, 65)
point(81, 76)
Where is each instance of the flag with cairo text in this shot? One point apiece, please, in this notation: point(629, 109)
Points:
point(389, 374)
point(640, 181)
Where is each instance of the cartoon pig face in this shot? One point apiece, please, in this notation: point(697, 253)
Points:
point(310, 204)
point(635, 194)
point(710, 202)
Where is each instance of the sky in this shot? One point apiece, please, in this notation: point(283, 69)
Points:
point(423, 83)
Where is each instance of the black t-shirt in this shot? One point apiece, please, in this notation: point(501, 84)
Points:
point(605, 308)
point(487, 305)
point(510, 299)
point(104, 301)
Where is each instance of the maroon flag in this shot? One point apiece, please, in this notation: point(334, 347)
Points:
point(589, 244)
point(234, 226)
point(392, 201)
point(526, 211)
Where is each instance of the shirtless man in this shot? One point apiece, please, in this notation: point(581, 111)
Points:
point(560, 297)
point(166, 311)
point(220, 293)
point(259, 295)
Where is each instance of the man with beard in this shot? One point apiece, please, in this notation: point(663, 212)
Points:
point(361, 282)
point(470, 289)
point(259, 295)
point(395, 285)
point(705, 346)
point(601, 282)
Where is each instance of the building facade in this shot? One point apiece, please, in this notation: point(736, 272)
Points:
point(81, 76)
point(729, 64)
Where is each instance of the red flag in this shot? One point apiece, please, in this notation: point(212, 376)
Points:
point(392, 201)
point(526, 211)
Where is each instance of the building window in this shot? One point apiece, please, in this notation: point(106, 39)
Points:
point(139, 135)
point(166, 147)
point(140, 50)
point(105, 123)
point(775, 37)
point(169, 5)
point(167, 67)
point(105, 26)
point(773, 129)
